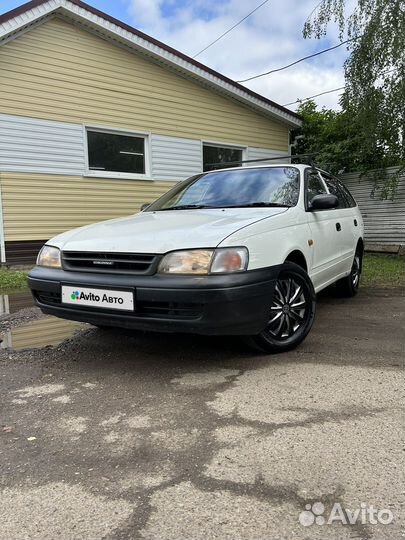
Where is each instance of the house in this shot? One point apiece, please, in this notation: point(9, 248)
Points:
point(97, 118)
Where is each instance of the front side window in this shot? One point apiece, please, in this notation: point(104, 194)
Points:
point(214, 155)
point(115, 152)
point(349, 197)
point(275, 186)
point(334, 189)
point(315, 186)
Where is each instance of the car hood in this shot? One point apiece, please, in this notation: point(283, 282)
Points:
point(160, 232)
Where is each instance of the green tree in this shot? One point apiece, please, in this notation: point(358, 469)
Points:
point(331, 136)
point(374, 98)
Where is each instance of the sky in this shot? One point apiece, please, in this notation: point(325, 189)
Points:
point(270, 38)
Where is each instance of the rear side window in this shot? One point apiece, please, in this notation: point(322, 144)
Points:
point(335, 189)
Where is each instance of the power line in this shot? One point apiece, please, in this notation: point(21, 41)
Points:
point(314, 96)
point(295, 62)
point(230, 29)
point(330, 91)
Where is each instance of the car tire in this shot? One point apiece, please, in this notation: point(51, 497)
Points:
point(349, 285)
point(292, 312)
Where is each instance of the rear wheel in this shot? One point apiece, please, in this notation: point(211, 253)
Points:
point(291, 311)
point(349, 285)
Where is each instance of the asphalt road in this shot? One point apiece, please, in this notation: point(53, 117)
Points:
point(158, 437)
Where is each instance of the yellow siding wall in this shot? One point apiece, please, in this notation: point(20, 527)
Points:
point(58, 71)
point(36, 207)
point(61, 72)
point(41, 333)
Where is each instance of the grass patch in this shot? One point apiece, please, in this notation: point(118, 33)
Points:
point(12, 279)
point(383, 271)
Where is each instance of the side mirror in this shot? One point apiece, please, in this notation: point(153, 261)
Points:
point(145, 206)
point(324, 202)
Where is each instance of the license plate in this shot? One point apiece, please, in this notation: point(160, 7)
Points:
point(100, 298)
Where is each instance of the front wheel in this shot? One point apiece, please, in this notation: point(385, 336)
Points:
point(291, 311)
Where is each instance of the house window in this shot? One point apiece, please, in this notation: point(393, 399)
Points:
point(214, 154)
point(117, 153)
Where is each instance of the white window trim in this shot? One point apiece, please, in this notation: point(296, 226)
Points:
point(223, 145)
point(146, 135)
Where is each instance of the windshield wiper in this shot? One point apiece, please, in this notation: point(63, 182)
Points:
point(259, 205)
point(247, 205)
point(187, 207)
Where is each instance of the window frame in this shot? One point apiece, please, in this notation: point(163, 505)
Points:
point(146, 136)
point(218, 144)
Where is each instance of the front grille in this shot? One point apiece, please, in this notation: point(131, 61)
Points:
point(147, 310)
point(111, 263)
point(169, 310)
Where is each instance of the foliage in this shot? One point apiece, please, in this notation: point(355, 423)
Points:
point(330, 135)
point(12, 279)
point(374, 96)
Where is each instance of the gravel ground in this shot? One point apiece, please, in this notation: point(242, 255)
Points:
point(149, 436)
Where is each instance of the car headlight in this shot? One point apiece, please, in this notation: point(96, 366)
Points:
point(229, 260)
point(49, 256)
point(205, 261)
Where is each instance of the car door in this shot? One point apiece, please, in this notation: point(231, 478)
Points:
point(345, 223)
point(326, 254)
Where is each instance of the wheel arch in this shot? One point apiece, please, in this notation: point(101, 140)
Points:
point(297, 257)
point(360, 247)
point(360, 244)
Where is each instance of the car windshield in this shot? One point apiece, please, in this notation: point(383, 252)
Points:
point(273, 186)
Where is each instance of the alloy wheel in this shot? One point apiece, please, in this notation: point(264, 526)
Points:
point(355, 273)
point(288, 310)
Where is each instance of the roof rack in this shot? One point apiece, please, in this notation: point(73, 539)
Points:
point(239, 162)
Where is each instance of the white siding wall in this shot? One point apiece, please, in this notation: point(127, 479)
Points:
point(32, 145)
point(50, 147)
point(261, 153)
point(174, 158)
point(384, 220)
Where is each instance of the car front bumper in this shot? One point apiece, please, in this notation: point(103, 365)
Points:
point(237, 304)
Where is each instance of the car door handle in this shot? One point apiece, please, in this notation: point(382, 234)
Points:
point(355, 222)
point(338, 226)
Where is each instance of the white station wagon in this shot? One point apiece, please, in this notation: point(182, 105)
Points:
point(239, 251)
